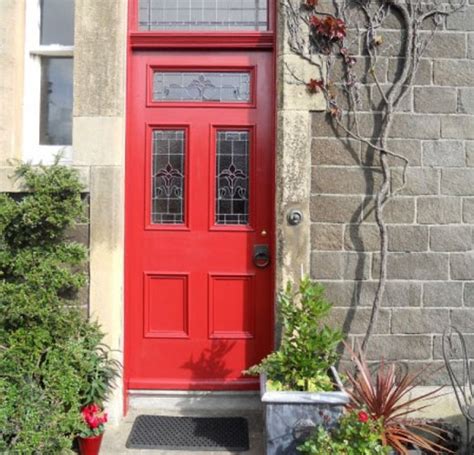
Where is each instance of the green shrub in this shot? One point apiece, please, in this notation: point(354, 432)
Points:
point(356, 434)
point(48, 349)
point(308, 347)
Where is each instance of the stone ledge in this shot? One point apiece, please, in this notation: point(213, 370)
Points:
point(8, 183)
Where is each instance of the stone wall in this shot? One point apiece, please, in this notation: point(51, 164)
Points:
point(430, 223)
point(99, 148)
point(11, 83)
point(80, 233)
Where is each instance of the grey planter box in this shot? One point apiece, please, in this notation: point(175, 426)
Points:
point(290, 417)
point(411, 452)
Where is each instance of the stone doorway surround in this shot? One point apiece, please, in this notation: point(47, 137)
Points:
point(99, 152)
point(99, 127)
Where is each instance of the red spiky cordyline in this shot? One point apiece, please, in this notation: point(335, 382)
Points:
point(385, 395)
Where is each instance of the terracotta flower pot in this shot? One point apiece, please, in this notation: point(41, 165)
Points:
point(90, 446)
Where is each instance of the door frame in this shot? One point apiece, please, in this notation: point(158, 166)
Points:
point(185, 41)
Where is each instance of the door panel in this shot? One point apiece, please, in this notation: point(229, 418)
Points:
point(199, 197)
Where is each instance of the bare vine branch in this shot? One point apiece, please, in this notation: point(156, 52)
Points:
point(312, 33)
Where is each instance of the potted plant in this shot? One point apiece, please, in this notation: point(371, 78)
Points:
point(100, 373)
point(386, 396)
point(90, 439)
point(376, 419)
point(298, 383)
point(356, 433)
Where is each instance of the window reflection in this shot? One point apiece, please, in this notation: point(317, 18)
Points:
point(56, 101)
point(57, 22)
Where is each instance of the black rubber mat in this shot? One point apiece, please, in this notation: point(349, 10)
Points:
point(189, 433)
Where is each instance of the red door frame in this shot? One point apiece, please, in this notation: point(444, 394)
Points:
point(137, 40)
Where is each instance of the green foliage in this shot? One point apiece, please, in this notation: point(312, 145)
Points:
point(353, 436)
point(43, 215)
point(101, 370)
point(51, 358)
point(308, 347)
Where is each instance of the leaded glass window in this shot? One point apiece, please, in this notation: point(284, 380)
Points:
point(168, 177)
point(225, 87)
point(232, 177)
point(211, 15)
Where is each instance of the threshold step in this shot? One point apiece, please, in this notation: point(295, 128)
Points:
point(182, 401)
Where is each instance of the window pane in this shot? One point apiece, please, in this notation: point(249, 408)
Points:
point(168, 177)
point(245, 15)
point(214, 87)
point(232, 177)
point(56, 101)
point(57, 22)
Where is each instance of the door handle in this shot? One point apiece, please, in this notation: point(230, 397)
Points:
point(261, 256)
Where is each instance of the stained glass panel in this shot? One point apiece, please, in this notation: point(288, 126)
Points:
point(211, 15)
point(168, 177)
point(232, 177)
point(228, 87)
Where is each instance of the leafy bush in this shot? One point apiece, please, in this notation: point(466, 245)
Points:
point(48, 349)
point(308, 347)
point(357, 434)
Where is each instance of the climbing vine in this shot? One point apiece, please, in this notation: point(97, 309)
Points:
point(324, 41)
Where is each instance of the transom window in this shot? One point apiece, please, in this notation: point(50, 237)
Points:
point(224, 87)
point(211, 15)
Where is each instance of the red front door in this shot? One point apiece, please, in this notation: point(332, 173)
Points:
point(199, 190)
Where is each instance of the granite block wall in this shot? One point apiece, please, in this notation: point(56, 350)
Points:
point(430, 222)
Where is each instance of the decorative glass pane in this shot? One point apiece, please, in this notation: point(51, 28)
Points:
point(244, 15)
point(232, 177)
point(57, 22)
point(56, 101)
point(167, 197)
point(214, 87)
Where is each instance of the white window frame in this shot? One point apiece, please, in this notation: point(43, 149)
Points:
point(32, 150)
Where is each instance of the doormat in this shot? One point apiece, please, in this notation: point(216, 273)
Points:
point(189, 433)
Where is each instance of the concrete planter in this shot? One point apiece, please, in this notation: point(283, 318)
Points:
point(410, 452)
point(290, 417)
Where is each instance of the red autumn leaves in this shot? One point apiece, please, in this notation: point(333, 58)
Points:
point(328, 31)
point(314, 86)
point(329, 27)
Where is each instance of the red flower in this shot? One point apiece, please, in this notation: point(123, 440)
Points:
point(363, 416)
point(94, 416)
point(314, 86)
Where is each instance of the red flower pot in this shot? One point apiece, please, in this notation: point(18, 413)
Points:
point(90, 446)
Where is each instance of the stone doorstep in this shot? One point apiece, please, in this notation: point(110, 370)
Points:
point(195, 400)
point(199, 404)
